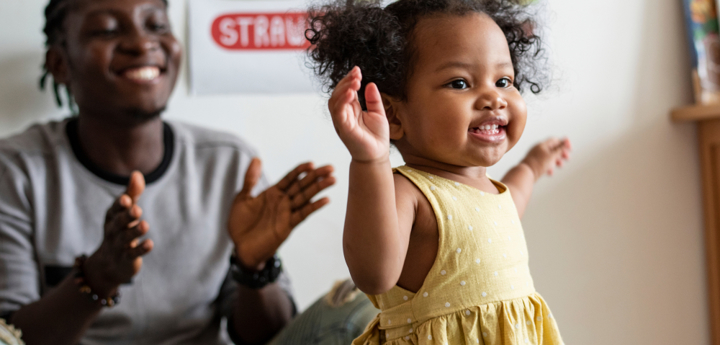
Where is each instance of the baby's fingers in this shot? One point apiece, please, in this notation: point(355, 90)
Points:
point(567, 144)
point(373, 101)
point(346, 87)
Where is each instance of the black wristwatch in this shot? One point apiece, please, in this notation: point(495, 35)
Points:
point(256, 280)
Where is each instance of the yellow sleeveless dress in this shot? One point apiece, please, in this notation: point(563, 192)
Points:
point(479, 290)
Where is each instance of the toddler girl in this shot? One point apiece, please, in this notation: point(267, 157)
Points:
point(436, 244)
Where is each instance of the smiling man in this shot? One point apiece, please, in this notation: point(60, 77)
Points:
point(117, 227)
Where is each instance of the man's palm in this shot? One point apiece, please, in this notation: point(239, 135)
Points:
point(259, 225)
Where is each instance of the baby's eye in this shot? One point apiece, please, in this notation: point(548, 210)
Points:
point(504, 82)
point(458, 84)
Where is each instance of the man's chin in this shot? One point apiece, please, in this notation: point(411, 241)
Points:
point(142, 115)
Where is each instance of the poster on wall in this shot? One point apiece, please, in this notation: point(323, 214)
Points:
point(248, 47)
point(702, 28)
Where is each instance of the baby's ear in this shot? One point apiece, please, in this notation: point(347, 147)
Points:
point(392, 111)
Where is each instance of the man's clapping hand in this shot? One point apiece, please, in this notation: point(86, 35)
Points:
point(119, 257)
point(259, 225)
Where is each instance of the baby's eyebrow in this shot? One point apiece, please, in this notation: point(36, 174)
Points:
point(465, 65)
point(453, 64)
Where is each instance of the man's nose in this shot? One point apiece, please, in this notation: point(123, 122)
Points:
point(139, 43)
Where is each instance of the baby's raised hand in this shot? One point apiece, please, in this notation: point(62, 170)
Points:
point(366, 134)
point(545, 156)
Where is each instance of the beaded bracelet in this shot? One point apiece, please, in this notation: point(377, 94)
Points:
point(85, 288)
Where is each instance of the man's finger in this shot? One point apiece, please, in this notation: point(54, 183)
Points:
point(121, 204)
point(285, 183)
point(252, 176)
point(136, 186)
point(309, 179)
point(122, 220)
point(139, 230)
point(300, 215)
point(307, 194)
point(141, 249)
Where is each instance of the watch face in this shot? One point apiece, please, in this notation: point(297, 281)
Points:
point(256, 280)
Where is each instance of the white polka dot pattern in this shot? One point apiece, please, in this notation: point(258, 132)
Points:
point(482, 248)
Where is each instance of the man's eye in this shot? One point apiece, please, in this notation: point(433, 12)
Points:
point(458, 84)
point(105, 32)
point(158, 27)
point(504, 82)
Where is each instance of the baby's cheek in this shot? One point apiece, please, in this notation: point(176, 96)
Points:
point(514, 132)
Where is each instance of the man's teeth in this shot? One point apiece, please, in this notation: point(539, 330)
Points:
point(143, 73)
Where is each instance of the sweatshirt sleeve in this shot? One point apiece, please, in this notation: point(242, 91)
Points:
point(19, 275)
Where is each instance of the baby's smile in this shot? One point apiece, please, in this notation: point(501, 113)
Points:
point(492, 130)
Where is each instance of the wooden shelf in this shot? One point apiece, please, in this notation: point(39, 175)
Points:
point(708, 125)
point(696, 113)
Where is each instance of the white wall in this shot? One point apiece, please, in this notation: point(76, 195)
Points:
point(615, 238)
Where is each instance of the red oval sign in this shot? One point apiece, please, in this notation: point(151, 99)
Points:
point(261, 31)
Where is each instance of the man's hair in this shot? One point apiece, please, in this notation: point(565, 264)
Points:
point(55, 13)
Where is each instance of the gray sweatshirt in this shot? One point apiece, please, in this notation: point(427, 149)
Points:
point(52, 207)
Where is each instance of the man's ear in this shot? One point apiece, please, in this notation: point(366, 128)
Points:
point(56, 63)
point(393, 111)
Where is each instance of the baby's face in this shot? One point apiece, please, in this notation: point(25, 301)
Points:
point(462, 108)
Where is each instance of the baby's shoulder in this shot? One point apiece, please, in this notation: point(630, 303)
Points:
point(406, 190)
point(408, 195)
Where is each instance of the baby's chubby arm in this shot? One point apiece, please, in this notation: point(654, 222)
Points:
point(542, 159)
point(375, 240)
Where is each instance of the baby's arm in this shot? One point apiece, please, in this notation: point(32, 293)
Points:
point(375, 241)
point(542, 159)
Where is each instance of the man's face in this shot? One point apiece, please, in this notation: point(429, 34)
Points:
point(121, 57)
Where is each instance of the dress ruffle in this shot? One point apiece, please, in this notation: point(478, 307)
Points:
point(525, 320)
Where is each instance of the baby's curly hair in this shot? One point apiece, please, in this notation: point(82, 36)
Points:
point(349, 33)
